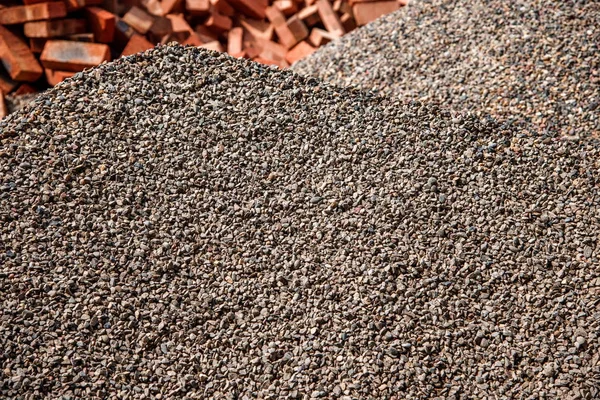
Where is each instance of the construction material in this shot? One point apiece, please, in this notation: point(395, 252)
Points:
point(183, 224)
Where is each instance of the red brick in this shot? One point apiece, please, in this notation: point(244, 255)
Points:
point(366, 12)
point(297, 27)
point(223, 7)
point(73, 5)
point(197, 7)
point(170, 6)
point(102, 24)
point(179, 23)
point(258, 29)
point(139, 20)
point(160, 28)
point(348, 22)
point(285, 35)
point(329, 17)
point(272, 51)
point(301, 50)
point(218, 23)
point(55, 77)
point(35, 12)
point(287, 7)
point(205, 35)
point(54, 28)
point(137, 43)
point(17, 58)
point(234, 40)
point(65, 55)
point(319, 37)
point(251, 8)
point(309, 15)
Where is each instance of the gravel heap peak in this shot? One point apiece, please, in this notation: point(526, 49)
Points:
point(182, 224)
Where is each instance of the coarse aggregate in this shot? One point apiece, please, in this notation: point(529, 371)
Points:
point(182, 224)
point(532, 62)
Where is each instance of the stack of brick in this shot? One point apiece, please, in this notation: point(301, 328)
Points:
point(43, 42)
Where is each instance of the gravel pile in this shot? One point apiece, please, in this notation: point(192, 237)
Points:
point(536, 62)
point(181, 224)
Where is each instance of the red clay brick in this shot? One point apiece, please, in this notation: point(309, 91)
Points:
point(139, 20)
point(218, 23)
point(234, 40)
point(258, 29)
point(197, 7)
point(251, 8)
point(54, 28)
point(285, 35)
point(301, 50)
point(272, 51)
point(17, 58)
point(55, 77)
point(365, 12)
point(160, 28)
point(205, 35)
point(309, 15)
point(223, 7)
point(297, 27)
point(179, 23)
point(171, 6)
point(137, 43)
point(64, 55)
point(35, 12)
point(329, 17)
point(102, 24)
point(319, 37)
point(348, 22)
point(287, 7)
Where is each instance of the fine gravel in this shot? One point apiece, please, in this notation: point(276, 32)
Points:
point(182, 224)
point(535, 62)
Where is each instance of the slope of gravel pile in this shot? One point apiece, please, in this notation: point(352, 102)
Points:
point(530, 61)
point(187, 225)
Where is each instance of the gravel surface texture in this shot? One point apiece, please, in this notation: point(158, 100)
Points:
point(532, 61)
point(182, 224)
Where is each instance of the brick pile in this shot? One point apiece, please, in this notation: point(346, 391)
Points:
point(44, 42)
